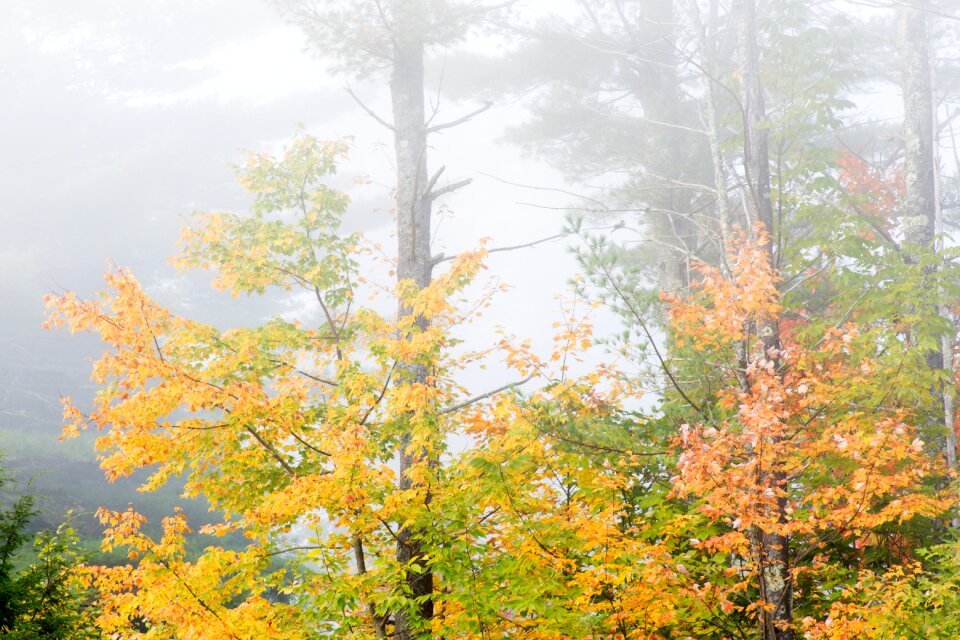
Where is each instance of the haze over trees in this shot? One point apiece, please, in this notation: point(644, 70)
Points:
point(766, 448)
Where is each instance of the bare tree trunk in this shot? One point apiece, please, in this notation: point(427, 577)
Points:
point(946, 339)
point(413, 263)
point(919, 207)
point(922, 215)
point(755, 143)
point(659, 94)
point(772, 549)
point(918, 134)
point(706, 35)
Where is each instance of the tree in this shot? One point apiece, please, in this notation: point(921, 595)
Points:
point(393, 37)
point(48, 597)
point(291, 430)
point(771, 541)
point(788, 454)
point(923, 216)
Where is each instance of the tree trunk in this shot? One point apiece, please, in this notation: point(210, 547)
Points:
point(918, 134)
point(658, 89)
point(919, 206)
point(772, 549)
point(413, 263)
point(706, 37)
point(922, 215)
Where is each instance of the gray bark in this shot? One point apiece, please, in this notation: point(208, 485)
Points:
point(414, 263)
point(755, 136)
point(706, 36)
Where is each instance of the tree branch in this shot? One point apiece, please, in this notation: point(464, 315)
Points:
point(439, 258)
point(653, 344)
point(273, 452)
point(379, 622)
point(459, 121)
point(383, 392)
point(483, 396)
point(433, 182)
point(370, 112)
point(450, 188)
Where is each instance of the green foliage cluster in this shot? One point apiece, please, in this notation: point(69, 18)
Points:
point(42, 597)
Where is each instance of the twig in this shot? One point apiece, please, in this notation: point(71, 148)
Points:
point(554, 189)
point(653, 344)
point(383, 392)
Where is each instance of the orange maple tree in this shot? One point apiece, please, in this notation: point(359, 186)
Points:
point(797, 442)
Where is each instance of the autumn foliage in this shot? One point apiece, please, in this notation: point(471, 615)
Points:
point(560, 512)
point(788, 446)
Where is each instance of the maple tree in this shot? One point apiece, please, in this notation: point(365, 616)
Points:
point(801, 442)
point(288, 428)
point(392, 38)
point(292, 431)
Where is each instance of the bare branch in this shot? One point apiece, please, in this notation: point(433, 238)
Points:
point(439, 258)
point(554, 189)
point(450, 188)
point(433, 181)
point(459, 121)
point(484, 396)
point(653, 343)
point(370, 112)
